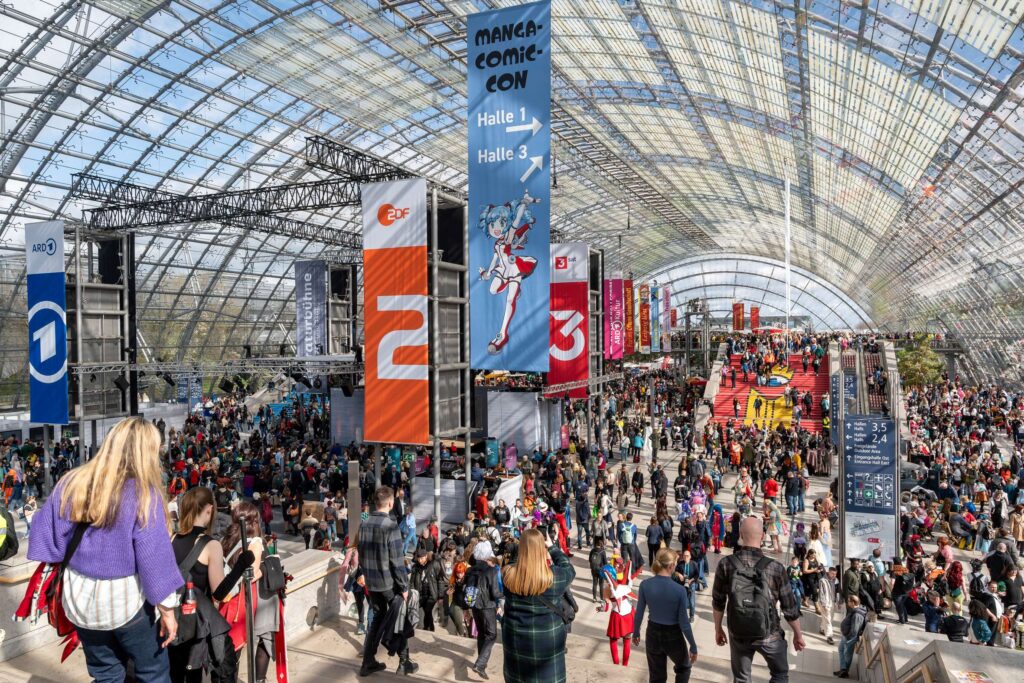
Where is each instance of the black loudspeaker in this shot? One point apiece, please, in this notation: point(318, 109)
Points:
point(346, 388)
point(227, 386)
point(318, 383)
point(109, 262)
point(339, 281)
point(121, 383)
point(449, 233)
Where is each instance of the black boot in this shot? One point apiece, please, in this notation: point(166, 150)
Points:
point(407, 666)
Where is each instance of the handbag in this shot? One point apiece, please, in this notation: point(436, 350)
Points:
point(273, 578)
point(188, 624)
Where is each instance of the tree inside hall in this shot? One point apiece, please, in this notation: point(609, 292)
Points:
point(918, 363)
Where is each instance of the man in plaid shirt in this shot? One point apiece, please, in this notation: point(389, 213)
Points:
point(382, 560)
point(772, 648)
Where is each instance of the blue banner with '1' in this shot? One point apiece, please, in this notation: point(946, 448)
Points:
point(47, 323)
point(509, 96)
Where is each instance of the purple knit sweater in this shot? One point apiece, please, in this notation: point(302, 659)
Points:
point(122, 549)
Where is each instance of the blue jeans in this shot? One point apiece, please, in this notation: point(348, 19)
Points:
point(792, 504)
point(108, 652)
point(410, 542)
point(846, 648)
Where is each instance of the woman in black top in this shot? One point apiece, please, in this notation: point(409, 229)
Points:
point(187, 660)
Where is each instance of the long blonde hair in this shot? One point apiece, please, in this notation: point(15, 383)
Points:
point(530, 575)
point(92, 493)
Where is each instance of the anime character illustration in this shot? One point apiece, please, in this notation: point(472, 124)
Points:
point(508, 225)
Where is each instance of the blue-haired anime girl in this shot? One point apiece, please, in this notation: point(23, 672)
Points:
point(508, 224)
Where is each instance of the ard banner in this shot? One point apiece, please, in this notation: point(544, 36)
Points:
point(755, 317)
point(614, 318)
point(570, 315)
point(655, 319)
point(737, 316)
point(509, 94)
point(629, 338)
point(397, 403)
point(644, 315)
point(47, 323)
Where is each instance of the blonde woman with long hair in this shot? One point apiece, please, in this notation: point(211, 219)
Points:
point(533, 634)
point(123, 571)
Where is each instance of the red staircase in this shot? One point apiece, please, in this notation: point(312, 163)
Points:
point(773, 411)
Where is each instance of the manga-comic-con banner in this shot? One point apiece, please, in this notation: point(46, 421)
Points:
point(629, 339)
point(643, 298)
point(655, 319)
point(570, 315)
point(509, 94)
point(666, 319)
point(397, 404)
point(614, 318)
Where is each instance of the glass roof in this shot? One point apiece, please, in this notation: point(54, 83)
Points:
point(897, 123)
point(727, 278)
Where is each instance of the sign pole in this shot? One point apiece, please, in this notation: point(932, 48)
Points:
point(82, 453)
point(788, 292)
point(435, 346)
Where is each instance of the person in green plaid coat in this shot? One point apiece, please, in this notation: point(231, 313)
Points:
point(532, 635)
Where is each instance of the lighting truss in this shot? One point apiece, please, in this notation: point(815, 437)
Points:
point(253, 209)
point(310, 365)
point(358, 166)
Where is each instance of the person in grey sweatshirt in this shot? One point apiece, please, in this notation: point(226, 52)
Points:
point(851, 629)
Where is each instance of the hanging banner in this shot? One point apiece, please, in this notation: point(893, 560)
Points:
point(629, 336)
point(666, 322)
point(655, 319)
point(674, 319)
point(397, 408)
point(310, 308)
point(615, 318)
point(644, 315)
point(509, 95)
point(755, 317)
point(570, 315)
point(870, 487)
point(737, 316)
point(47, 323)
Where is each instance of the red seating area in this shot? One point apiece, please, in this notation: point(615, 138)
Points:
point(773, 410)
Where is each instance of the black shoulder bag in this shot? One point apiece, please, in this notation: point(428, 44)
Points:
point(188, 624)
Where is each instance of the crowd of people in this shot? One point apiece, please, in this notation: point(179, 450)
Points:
point(231, 474)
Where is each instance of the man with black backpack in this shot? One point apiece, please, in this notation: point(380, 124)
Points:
point(747, 586)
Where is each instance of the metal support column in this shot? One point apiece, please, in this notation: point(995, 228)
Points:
point(435, 376)
point(78, 343)
point(132, 331)
point(467, 374)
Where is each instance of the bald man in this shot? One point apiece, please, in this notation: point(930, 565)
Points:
point(748, 566)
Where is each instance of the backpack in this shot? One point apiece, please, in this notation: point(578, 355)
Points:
point(595, 560)
point(751, 609)
point(470, 591)
point(627, 533)
point(8, 536)
point(273, 578)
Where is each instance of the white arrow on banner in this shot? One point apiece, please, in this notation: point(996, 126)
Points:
point(536, 163)
point(532, 127)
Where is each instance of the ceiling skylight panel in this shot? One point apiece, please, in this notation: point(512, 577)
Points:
point(706, 8)
point(985, 24)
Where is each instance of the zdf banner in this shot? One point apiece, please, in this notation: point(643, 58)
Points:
point(396, 312)
point(47, 323)
point(570, 315)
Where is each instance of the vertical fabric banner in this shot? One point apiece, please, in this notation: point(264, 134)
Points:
point(509, 93)
point(629, 338)
point(666, 322)
point(395, 307)
point(47, 323)
point(310, 308)
point(655, 319)
point(755, 317)
point(644, 314)
point(570, 315)
point(674, 319)
point(737, 316)
point(615, 317)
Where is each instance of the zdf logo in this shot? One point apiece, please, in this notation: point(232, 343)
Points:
point(388, 214)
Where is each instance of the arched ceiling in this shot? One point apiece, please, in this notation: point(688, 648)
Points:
point(897, 123)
